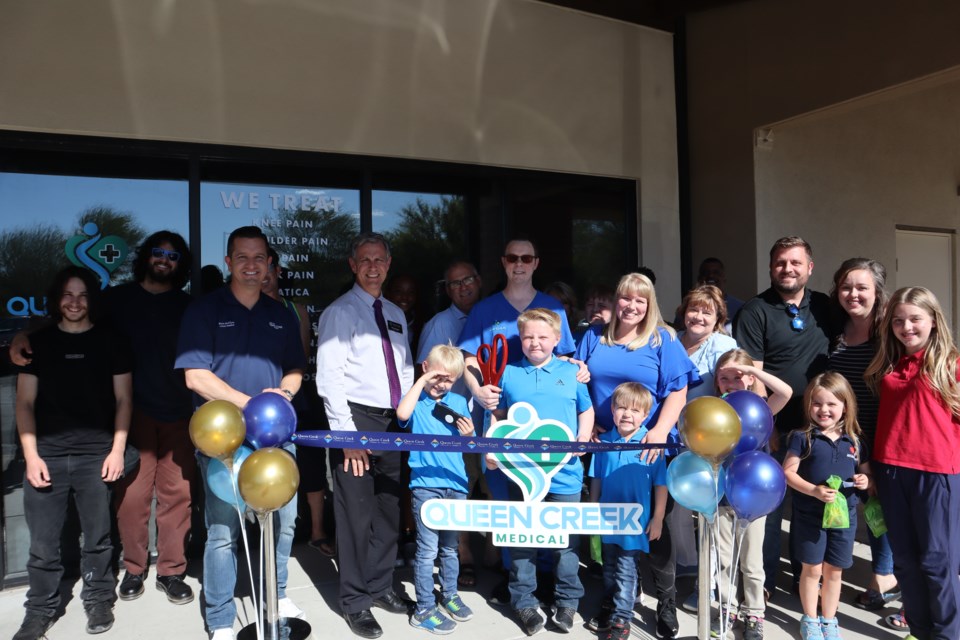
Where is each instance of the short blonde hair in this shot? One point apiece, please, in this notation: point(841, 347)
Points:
point(552, 318)
point(446, 357)
point(631, 394)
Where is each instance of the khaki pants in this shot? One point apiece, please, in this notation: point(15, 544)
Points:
point(751, 562)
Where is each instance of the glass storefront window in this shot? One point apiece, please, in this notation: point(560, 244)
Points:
point(49, 222)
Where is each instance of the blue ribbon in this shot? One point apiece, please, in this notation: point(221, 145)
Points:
point(382, 441)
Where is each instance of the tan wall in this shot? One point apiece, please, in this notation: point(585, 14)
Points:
point(759, 62)
point(847, 176)
point(513, 83)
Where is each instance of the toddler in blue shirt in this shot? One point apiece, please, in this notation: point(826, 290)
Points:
point(621, 476)
point(430, 408)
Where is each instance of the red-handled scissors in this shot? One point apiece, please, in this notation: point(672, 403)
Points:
point(491, 365)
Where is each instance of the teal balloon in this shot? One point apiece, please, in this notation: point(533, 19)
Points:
point(692, 483)
point(223, 482)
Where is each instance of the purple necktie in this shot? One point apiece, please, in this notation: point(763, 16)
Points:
point(391, 364)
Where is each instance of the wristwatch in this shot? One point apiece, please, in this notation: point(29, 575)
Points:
point(288, 393)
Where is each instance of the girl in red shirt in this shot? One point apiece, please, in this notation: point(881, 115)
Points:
point(917, 456)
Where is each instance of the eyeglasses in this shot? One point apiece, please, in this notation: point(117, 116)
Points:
point(513, 258)
point(158, 252)
point(796, 322)
point(462, 282)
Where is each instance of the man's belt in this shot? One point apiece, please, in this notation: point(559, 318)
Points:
point(373, 411)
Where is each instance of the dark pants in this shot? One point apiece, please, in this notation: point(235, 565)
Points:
point(663, 564)
point(920, 510)
point(45, 511)
point(367, 510)
point(167, 465)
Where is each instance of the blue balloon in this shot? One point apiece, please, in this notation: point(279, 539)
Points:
point(755, 485)
point(691, 482)
point(223, 483)
point(756, 420)
point(270, 418)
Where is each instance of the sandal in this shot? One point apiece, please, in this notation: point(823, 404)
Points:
point(897, 621)
point(325, 546)
point(871, 600)
point(468, 576)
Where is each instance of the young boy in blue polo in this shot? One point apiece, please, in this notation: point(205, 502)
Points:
point(620, 476)
point(550, 386)
point(437, 475)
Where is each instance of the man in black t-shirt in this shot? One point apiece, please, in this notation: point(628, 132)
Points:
point(73, 413)
point(786, 330)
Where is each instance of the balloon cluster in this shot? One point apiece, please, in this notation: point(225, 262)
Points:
point(263, 477)
point(713, 429)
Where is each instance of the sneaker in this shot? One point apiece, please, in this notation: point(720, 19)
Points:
point(601, 621)
point(456, 609)
point(34, 626)
point(830, 628)
point(223, 634)
point(667, 625)
point(99, 617)
point(715, 623)
point(530, 620)
point(618, 630)
point(433, 621)
point(810, 628)
point(692, 601)
point(287, 609)
point(501, 593)
point(563, 619)
point(753, 628)
point(639, 598)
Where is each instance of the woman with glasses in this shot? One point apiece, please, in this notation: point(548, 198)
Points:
point(638, 346)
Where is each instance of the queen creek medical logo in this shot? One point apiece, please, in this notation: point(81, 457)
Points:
point(101, 254)
point(531, 472)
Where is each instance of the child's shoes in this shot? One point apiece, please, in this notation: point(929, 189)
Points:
point(810, 628)
point(830, 628)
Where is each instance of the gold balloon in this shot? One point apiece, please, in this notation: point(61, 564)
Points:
point(710, 428)
point(268, 479)
point(217, 429)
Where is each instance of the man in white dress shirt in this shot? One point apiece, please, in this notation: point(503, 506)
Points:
point(364, 366)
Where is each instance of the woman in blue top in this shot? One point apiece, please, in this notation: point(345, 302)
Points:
point(704, 315)
point(638, 346)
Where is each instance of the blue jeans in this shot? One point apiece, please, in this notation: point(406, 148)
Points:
point(523, 569)
point(220, 552)
point(881, 555)
point(45, 511)
point(429, 544)
point(620, 579)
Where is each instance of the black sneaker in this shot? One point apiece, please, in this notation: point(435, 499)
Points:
point(530, 620)
point(601, 621)
point(563, 619)
point(618, 630)
point(501, 593)
point(753, 628)
point(34, 626)
point(667, 625)
point(99, 617)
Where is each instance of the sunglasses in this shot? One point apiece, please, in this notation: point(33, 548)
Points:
point(513, 258)
point(796, 322)
point(172, 256)
point(462, 282)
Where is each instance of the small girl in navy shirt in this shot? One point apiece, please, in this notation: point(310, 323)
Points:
point(829, 446)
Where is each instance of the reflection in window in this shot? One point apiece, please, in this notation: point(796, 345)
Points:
point(426, 232)
point(311, 229)
point(50, 221)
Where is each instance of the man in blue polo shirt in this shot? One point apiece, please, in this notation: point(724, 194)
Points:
point(236, 343)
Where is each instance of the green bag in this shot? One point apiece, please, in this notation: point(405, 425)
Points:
point(836, 515)
point(873, 514)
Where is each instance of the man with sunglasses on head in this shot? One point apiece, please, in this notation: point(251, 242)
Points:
point(147, 312)
point(786, 330)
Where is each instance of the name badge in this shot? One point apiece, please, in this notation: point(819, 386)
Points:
point(394, 326)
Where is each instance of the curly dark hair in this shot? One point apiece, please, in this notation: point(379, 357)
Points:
point(182, 273)
point(55, 292)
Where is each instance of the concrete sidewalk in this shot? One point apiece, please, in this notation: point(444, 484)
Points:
point(313, 586)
